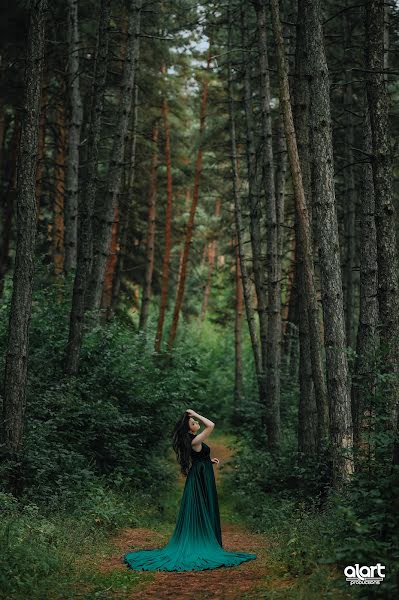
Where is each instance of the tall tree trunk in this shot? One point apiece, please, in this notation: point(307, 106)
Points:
point(324, 205)
point(75, 125)
point(211, 246)
point(8, 203)
point(350, 190)
point(127, 212)
point(256, 218)
point(168, 228)
point(387, 253)
point(190, 224)
point(106, 203)
point(238, 371)
point(88, 193)
point(364, 377)
point(303, 228)
point(21, 302)
point(110, 267)
point(152, 197)
point(58, 211)
point(239, 225)
point(42, 142)
point(273, 336)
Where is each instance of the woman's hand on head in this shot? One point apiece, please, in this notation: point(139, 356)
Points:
point(190, 412)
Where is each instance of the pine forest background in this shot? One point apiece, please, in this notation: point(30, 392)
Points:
point(198, 209)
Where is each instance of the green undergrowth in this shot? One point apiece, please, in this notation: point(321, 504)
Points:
point(311, 537)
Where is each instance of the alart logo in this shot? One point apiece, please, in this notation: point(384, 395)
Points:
point(358, 575)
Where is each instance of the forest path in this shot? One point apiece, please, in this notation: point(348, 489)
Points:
point(244, 581)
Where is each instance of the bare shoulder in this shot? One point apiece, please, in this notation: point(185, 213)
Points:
point(200, 437)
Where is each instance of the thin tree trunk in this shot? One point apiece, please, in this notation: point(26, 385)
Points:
point(328, 246)
point(75, 125)
point(168, 228)
point(58, 211)
point(106, 297)
point(21, 302)
point(212, 246)
point(304, 228)
point(387, 253)
point(364, 377)
point(272, 360)
point(350, 190)
point(7, 204)
point(190, 224)
point(152, 197)
point(239, 225)
point(88, 193)
point(126, 214)
point(106, 203)
point(238, 371)
point(256, 218)
point(42, 143)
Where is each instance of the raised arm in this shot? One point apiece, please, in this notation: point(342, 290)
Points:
point(209, 426)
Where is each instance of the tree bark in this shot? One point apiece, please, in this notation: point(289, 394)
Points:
point(75, 125)
point(304, 227)
point(272, 360)
point(364, 376)
point(88, 193)
point(58, 210)
point(21, 302)
point(324, 206)
point(387, 253)
point(106, 203)
point(350, 189)
point(238, 383)
point(8, 202)
point(110, 268)
point(256, 219)
point(150, 230)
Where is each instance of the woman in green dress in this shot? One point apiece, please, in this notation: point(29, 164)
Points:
point(196, 543)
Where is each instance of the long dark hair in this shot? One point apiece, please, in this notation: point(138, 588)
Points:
point(182, 443)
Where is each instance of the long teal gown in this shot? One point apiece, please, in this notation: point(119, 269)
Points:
point(196, 543)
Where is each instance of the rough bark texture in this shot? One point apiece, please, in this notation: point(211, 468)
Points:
point(8, 202)
point(364, 380)
point(42, 142)
point(193, 208)
point(88, 193)
point(21, 302)
point(303, 220)
point(75, 125)
point(387, 253)
point(58, 229)
point(150, 230)
point(256, 219)
point(324, 207)
point(272, 360)
point(350, 189)
point(105, 205)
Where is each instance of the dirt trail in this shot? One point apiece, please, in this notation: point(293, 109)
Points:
point(224, 583)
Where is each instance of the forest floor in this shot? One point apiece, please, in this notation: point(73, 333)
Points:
point(260, 579)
